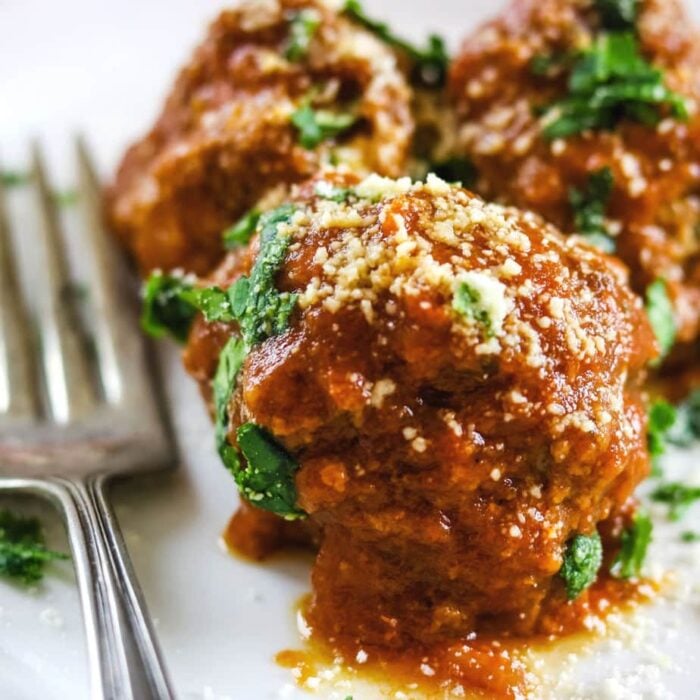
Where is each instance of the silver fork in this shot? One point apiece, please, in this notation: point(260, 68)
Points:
point(69, 422)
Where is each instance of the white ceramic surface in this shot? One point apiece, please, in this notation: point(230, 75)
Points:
point(103, 67)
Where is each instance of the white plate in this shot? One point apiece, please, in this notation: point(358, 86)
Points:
point(104, 66)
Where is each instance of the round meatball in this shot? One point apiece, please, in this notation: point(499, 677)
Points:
point(459, 386)
point(227, 133)
point(653, 212)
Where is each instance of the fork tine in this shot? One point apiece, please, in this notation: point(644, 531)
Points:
point(65, 367)
point(17, 395)
point(125, 377)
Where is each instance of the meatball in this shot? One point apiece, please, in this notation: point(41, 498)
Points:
point(233, 127)
point(511, 69)
point(458, 387)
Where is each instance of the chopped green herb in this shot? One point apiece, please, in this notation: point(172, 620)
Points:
point(268, 480)
point(165, 310)
point(230, 362)
point(661, 419)
point(318, 125)
point(23, 554)
point(690, 536)
point(302, 28)
point(686, 428)
point(612, 81)
point(467, 302)
point(455, 169)
point(14, 178)
point(213, 302)
point(430, 63)
point(582, 559)
point(677, 496)
point(241, 232)
point(262, 311)
point(634, 544)
point(590, 205)
point(617, 14)
point(660, 312)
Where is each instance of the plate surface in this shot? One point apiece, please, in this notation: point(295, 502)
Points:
point(103, 67)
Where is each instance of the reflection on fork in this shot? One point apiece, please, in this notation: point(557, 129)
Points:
point(72, 419)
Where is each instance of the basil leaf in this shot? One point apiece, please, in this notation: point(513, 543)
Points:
point(617, 14)
point(661, 419)
point(677, 496)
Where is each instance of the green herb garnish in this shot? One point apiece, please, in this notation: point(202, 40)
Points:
point(263, 311)
point(582, 559)
point(617, 14)
point(23, 554)
point(231, 360)
point(660, 312)
point(318, 125)
point(455, 170)
point(590, 205)
point(467, 301)
point(302, 28)
point(634, 544)
point(268, 480)
point(690, 536)
point(686, 428)
point(242, 231)
point(661, 419)
point(677, 496)
point(430, 64)
point(14, 178)
point(325, 190)
point(166, 311)
point(612, 81)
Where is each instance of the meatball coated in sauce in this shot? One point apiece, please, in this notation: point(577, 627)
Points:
point(654, 209)
point(225, 136)
point(459, 385)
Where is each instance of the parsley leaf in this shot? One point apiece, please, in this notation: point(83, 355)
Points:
point(318, 125)
point(634, 544)
point(617, 14)
point(262, 311)
point(467, 302)
point(686, 428)
point(23, 554)
point(589, 207)
point(165, 310)
point(660, 312)
point(430, 63)
point(662, 417)
point(455, 169)
point(677, 496)
point(302, 28)
point(268, 481)
point(242, 231)
point(611, 81)
point(582, 559)
point(690, 536)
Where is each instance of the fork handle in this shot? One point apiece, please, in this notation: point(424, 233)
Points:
point(123, 654)
point(125, 661)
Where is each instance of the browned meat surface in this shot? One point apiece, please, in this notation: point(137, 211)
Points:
point(225, 136)
point(654, 211)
